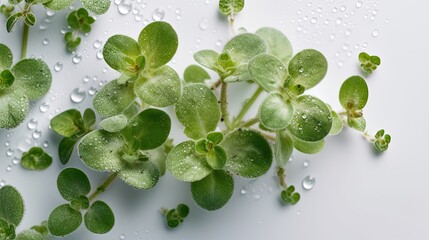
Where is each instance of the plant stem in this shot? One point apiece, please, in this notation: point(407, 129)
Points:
point(368, 137)
point(247, 106)
point(26, 29)
point(164, 211)
point(282, 177)
point(109, 180)
point(268, 136)
point(223, 104)
point(249, 122)
point(216, 84)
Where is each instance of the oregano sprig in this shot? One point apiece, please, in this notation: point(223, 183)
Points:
point(176, 216)
point(80, 22)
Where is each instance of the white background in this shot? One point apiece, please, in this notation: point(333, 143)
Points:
point(358, 194)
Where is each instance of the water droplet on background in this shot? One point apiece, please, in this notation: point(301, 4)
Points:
point(92, 91)
point(204, 24)
point(37, 134)
point(45, 41)
point(44, 107)
point(99, 55)
point(158, 14)
point(78, 95)
point(306, 163)
point(58, 66)
point(375, 33)
point(76, 59)
point(124, 7)
point(308, 182)
point(2, 183)
point(10, 152)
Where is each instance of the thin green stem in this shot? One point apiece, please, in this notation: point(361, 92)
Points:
point(216, 84)
point(249, 122)
point(25, 32)
point(223, 105)
point(368, 137)
point(109, 180)
point(268, 136)
point(249, 103)
point(164, 211)
point(282, 177)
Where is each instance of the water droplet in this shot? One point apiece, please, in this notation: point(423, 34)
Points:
point(207, 2)
point(76, 59)
point(122, 236)
point(92, 91)
point(343, 8)
point(2, 183)
point(44, 107)
point(58, 66)
point(8, 168)
point(158, 14)
point(298, 212)
point(375, 33)
point(99, 55)
point(365, 45)
point(243, 191)
point(97, 44)
point(332, 37)
point(358, 4)
point(78, 95)
point(37, 134)
point(86, 79)
point(45, 144)
point(306, 163)
point(339, 21)
point(257, 196)
point(50, 13)
point(204, 24)
point(334, 10)
point(15, 161)
point(45, 41)
point(301, 69)
point(313, 20)
point(10, 152)
point(6, 144)
point(308, 182)
point(218, 43)
point(124, 7)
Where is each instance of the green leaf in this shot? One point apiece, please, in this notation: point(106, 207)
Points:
point(277, 43)
point(182, 210)
point(268, 71)
point(151, 127)
point(215, 137)
point(201, 146)
point(6, 79)
point(161, 88)
point(289, 196)
point(68, 123)
point(12, 205)
point(158, 42)
point(36, 159)
point(102, 151)
point(12, 20)
point(158, 156)
point(114, 98)
point(357, 123)
point(65, 149)
point(120, 53)
point(29, 235)
point(73, 183)
point(213, 191)
point(216, 158)
point(207, 58)
point(32, 77)
point(63, 220)
point(7, 230)
point(185, 164)
point(276, 113)
point(244, 47)
point(308, 68)
point(354, 93)
point(312, 120)
point(140, 175)
point(198, 110)
point(99, 218)
point(6, 57)
point(114, 123)
point(283, 148)
point(249, 154)
point(308, 147)
point(230, 7)
point(88, 118)
point(337, 124)
point(97, 6)
point(30, 19)
point(13, 108)
point(195, 74)
point(57, 5)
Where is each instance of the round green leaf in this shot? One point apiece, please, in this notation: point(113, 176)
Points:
point(215, 137)
point(63, 220)
point(11, 205)
point(354, 93)
point(6, 79)
point(308, 147)
point(88, 118)
point(276, 113)
point(230, 7)
point(337, 124)
point(195, 74)
point(182, 210)
point(68, 123)
point(283, 148)
point(308, 68)
point(151, 127)
point(65, 149)
point(158, 156)
point(73, 183)
point(97, 6)
point(207, 58)
point(36, 159)
point(244, 47)
point(158, 42)
point(187, 165)
point(6, 57)
point(198, 110)
point(268, 71)
point(102, 151)
point(12, 20)
point(312, 119)
point(29, 235)
point(277, 43)
point(99, 218)
point(249, 154)
point(357, 123)
point(32, 77)
point(161, 88)
point(120, 53)
point(13, 108)
point(140, 175)
point(213, 191)
point(114, 98)
point(57, 5)
point(114, 123)
point(216, 158)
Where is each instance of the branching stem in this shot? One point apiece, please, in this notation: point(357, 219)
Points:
point(224, 105)
point(282, 177)
point(249, 103)
point(103, 187)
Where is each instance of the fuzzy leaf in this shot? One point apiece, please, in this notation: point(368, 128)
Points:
point(268, 71)
point(357, 123)
point(213, 191)
point(277, 43)
point(308, 147)
point(88, 118)
point(6, 57)
point(32, 77)
point(216, 158)
point(198, 110)
point(12, 20)
point(13, 108)
point(120, 53)
point(244, 47)
point(230, 7)
point(308, 68)
point(11, 205)
point(207, 58)
point(65, 149)
point(354, 92)
point(73, 183)
point(36, 159)
point(141, 175)
point(249, 154)
point(57, 5)
point(195, 74)
point(99, 218)
point(97, 6)
point(68, 123)
point(114, 98)
point(63, 220)
point(337, 124)
point(283, 148)
point(29, 235)
point(276, 113)
point(114, 123)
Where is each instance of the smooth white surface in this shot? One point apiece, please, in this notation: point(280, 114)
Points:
point(358, 194)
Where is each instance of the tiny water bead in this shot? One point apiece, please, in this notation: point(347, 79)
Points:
point(58, 66)
point(204, 24)
point(15, 161)
point(44, 107)
point(10, 152)
point(45, 42)
point(358, 4)
point(306, 163)
point(8, 168)
point(122, 236)
point(2, 183)
point(78, 95)
point(375, 33)
point(99, 55)
point(308, 182)
point(92, 91)
point(76, 59)
point(6, 144)
point(86, 79)
point(124, 7)
point(37, 134)
point(45, 144)
point(158, 14)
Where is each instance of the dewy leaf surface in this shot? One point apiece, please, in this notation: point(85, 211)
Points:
point(244, 47)
point(277, 43)
point(276, 113)
point(97, 6)
point(99, 218)
point(11, 205)
point(73, 183)
point(120, 53)
point(308, 68)
point(268, 71)
point(6, 57)
point(355, 91)
point(230, 7)
point(63, 220)
point(32, 77)
point(114, 98)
